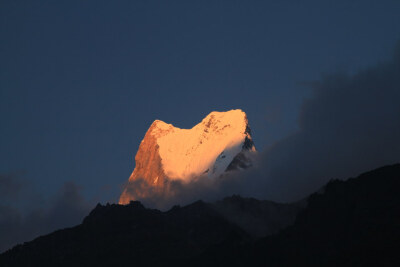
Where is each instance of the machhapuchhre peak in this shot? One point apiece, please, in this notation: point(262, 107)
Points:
point(220, 143)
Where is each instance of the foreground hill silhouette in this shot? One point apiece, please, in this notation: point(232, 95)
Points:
point(348, 223)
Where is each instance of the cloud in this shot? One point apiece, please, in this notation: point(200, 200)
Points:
point(67, 208)
point(10, 186)
point(351, 124)
point(178, 192)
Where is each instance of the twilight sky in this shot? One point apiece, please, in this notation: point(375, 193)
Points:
point(81, 81)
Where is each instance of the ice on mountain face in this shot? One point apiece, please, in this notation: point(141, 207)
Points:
point(220, 142)
point(210, 145)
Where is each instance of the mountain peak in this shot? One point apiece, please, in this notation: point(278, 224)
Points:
point(159, 124)
point(220, 142)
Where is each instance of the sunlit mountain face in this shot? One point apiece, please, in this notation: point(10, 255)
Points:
point(220, 143)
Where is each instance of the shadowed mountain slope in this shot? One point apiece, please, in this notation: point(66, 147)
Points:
point(124, 234)
point(348, 223)
point(352, 223)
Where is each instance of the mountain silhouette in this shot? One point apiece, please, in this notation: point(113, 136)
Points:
point(348, 223)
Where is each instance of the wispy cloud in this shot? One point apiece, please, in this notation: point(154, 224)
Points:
point(20, 223)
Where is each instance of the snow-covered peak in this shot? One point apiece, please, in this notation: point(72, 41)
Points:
point(207, 148)
point(220, 142)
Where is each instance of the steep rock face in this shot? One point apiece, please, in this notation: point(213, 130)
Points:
point(148, 166)
point(220, 142)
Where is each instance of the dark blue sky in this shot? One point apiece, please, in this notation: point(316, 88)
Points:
point(80, 82)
